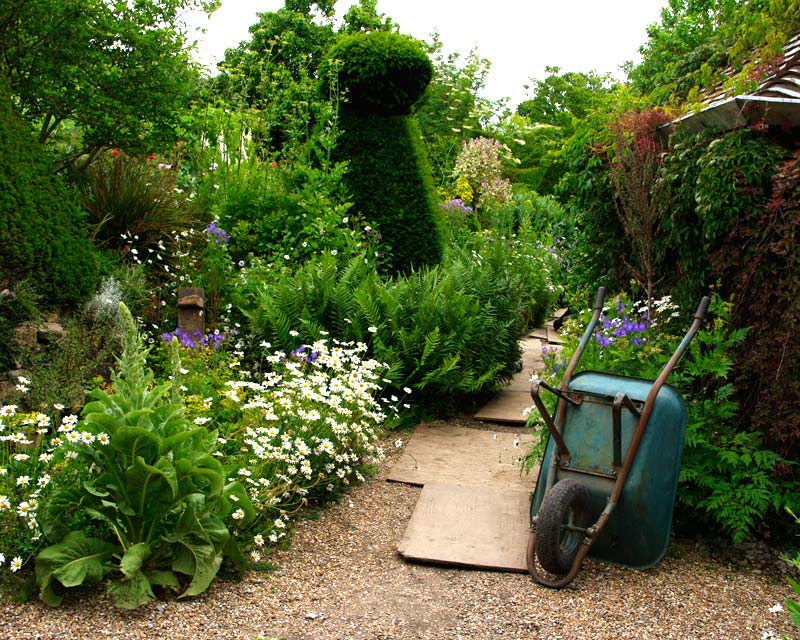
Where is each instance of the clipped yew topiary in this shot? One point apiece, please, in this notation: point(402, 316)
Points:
point(41, 233)
point(382, 75)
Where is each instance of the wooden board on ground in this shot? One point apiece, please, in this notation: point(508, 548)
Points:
point(507, 407)
point(462, 456)
point(483, 527)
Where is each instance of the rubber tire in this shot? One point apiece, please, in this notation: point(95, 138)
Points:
point(566, 503)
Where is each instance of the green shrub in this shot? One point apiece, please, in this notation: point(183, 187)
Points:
point(734, 176)
point(588, 193)
point(292, 209)
point(130, 196)
point(272, 204)
point(41, 229)
point(382, 75)
point(761, 262)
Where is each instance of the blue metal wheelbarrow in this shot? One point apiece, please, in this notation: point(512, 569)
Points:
point(607, 482)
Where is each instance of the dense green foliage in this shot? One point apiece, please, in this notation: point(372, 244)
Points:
point(793, 606)
point(451, 109)
point(761, 262)
point(588, 193)
point(296, 207)
point(714, 181)
point(382, 74)
point(543, 123)
point(120, 71)
point(158, 498)
point(447, 332)
point(42, 236)
point(696, 40)
point(275, 73)
point(729, 221)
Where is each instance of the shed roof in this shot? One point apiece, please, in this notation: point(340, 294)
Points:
point(776, 101)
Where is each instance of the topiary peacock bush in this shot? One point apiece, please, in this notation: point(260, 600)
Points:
point(382, 75)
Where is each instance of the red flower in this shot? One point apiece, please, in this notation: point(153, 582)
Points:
point(273, 164)
point(114, 152)
point(151, 157)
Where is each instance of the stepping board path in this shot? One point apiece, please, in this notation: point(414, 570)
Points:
point(509, 405)
point(474, 508)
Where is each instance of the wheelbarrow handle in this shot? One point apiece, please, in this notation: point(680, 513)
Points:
point(598, 301)
point(587, 335)
point(702, 308)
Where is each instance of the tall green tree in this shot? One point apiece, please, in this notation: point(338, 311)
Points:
point(544, 121)
point(364, 16)
point(276, 71)
point(120, 71)
point(562, 97)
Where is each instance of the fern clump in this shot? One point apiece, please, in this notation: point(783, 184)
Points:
point(449, 332)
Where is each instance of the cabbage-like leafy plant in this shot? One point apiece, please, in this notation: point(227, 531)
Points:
point(153, 510)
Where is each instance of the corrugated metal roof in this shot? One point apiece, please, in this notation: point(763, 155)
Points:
point(776, 101)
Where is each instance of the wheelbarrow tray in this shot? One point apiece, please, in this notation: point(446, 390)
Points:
point(637, 534)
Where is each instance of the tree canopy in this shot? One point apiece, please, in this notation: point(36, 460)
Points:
point(121, 71)
point(560, 97)
point(696, 40)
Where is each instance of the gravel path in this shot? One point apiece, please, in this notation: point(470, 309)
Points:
point(342, 579)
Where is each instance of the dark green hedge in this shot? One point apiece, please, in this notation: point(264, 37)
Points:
point(389, 178)
point(41, 233)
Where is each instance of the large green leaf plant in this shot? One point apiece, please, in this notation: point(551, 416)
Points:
point(152, 512)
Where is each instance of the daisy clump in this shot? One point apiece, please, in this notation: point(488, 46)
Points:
point(310, 428)
point(29, 449)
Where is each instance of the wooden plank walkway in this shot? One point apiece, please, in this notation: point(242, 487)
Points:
point(509, 405)
point(444, 453)
point(474, 508)
point(483, 527)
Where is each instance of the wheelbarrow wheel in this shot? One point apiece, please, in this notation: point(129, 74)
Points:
point(560, 529)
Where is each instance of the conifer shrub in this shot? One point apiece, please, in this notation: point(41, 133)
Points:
point(382, 75)
point(42, 237)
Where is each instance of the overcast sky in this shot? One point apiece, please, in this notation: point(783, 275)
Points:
point(519, 37)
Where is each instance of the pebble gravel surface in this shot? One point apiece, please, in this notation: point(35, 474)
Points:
point(342, 578)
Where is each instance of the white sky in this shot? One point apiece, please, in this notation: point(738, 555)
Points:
point(519, 37)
